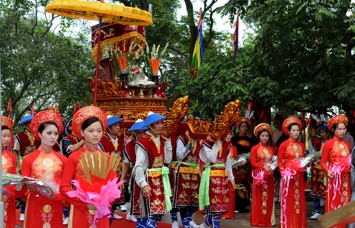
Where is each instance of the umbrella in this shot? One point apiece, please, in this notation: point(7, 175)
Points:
point(103, 12)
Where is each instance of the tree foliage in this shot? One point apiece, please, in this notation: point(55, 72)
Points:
point(298, 56)
point(303, 50)
point(40, 66)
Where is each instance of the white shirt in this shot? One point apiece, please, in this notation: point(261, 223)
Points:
point(142, 159)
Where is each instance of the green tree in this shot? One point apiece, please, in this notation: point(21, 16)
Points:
point(303, 50)
point(41, 65)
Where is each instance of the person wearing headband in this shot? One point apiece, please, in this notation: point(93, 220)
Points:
point(261, 155)
point(335, 162)
point(46, 165)
point(153, 151)
point(88, 124)
point(290, 153)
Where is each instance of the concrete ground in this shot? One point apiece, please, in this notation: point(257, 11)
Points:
point(242, 220)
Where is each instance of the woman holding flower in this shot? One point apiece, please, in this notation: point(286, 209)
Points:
point(293, 202)
point(262, 210)
point(337, 153)
point(8, 166)
point(45, 165)
point(88, 123)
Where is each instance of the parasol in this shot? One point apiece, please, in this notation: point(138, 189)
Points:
point(103, 12)
point(109, 13)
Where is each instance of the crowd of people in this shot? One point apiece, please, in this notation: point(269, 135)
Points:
point(176, 174)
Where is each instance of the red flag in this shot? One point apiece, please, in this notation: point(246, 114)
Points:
point(77, 106)
point(9, 108)
point(235, 35)
point(10, 115)
point(33, 112)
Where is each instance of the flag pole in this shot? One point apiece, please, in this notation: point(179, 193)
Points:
point(1, 200)
point(98, 60)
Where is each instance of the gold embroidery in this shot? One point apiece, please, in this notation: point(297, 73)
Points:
point(47, 208)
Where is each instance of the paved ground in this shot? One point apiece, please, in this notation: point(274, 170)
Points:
point(242, 220)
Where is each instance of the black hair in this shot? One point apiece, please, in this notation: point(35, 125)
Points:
point(290, 126)
point(232, 128)
point(4, 128)
point(278, 118)
point(90, 121)
point(45, 124)
point(259, 133)
point(335, 126)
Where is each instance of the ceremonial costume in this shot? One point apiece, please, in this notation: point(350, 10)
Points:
point(317, 172)
point(242, 174)
point(263, 207)
point(336, 152)
point(293, 202)
point(231, 191)
point(172, 171)
point(9, 192)
point(186, 179)
point(129, 157)
point(152, 153)
point(25, 143)
point(129, 152)
point(46, 166)
point(114, 144)
point(213, 192)
point(80, 214)
point(68, 141)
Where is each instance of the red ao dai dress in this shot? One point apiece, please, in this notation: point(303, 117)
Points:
point(80, 215)
point(338, 192)
point(293, 202)
point(46, 167)
point(262, 211)
point(9, 192)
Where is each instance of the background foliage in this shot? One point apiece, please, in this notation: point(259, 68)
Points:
point(299, 55)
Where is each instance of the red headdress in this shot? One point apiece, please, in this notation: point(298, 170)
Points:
point(243, 119)
point(45, 116)
point(290, 120)
point(85, 113)
point(7, 122)
point(262, 127)
point(341, 118)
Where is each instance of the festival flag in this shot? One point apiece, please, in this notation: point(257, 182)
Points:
point(10, 116)
point(235, 35)
point(33, 111)
point(76, 106)
point(9, 108)
point(198, 49)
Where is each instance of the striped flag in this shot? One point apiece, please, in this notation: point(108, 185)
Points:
point(198, 50)
point(235, 36)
